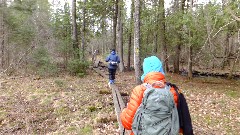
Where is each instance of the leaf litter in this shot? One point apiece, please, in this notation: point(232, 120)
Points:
point(71, 105)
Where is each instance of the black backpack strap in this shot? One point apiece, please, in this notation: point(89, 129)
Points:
point(183, 112)
point(179, 102)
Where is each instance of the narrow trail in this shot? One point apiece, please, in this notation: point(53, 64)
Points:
point(117, 100)
point(119, 103)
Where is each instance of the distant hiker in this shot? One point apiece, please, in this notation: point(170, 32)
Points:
point(156, 107)
point(113, 61)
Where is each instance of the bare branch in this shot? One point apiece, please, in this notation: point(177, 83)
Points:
point(233, 15)
point(208, 37)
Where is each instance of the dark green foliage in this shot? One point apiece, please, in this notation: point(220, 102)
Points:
point(21, 25)
point(76, 67)
point(43, 64)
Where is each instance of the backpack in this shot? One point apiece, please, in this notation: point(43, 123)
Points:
point(157, 114)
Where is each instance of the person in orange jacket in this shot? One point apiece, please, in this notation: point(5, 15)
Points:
point(153, 72)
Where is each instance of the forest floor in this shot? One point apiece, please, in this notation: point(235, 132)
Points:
point(84, 106)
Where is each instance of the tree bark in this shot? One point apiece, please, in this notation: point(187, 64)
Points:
point(104, 33)
point(74, 32)
point(83, 30)
point(2, 31)
point(162, 36)
point(176, 56)
point(120, 34)
point(190, 72)
point(115, 25)
point(179, 44)
point(156, 26)
point(230, 76)
point(227, 43)
point(2, 42)
point(190, 48)
point(137, 42)
point(130, 38)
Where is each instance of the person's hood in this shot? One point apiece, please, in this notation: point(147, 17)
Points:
point(152, 64)
point(113, 52)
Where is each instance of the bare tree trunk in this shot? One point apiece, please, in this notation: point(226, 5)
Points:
point(103, 27)
point(156, 27)
point(120, 35)
point(162, 36)
point(2, 31)
point(176, 57)
point(130, 38)
point(129, 50)
point(115, 25)
point(83, 31)
point(137, 64)
point(190, 73)
point(74, 32)
point(155, 43)
point(226, 49)
point(230, 76)
point(176, 9)
point(179, 44)
point(209, 31)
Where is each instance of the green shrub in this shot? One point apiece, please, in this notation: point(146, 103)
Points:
point(42, 62)
point(76, 67)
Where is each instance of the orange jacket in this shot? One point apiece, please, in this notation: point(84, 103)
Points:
point(128, 113)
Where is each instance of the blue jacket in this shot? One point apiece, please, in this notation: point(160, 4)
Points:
point(113, 60)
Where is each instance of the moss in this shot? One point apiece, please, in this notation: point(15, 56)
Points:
point(61, 111)
point(59, 83)
point(104, 92)
point(233, 94)
point(87, 130)
point(92, 108)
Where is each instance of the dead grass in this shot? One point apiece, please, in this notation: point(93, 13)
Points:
point(72, 105)
point(60, 105)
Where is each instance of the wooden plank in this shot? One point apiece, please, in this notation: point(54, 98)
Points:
point(117, 110)
point(119, 106)
point(118, 102)
point(100, 72)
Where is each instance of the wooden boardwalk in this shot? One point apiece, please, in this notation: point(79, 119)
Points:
point(117, 100)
